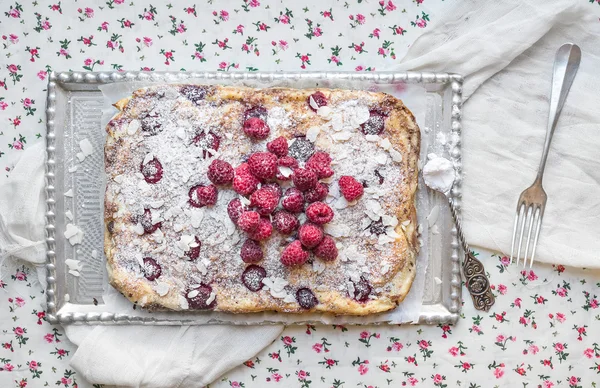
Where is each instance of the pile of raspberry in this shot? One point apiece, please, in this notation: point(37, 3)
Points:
point(269, 207)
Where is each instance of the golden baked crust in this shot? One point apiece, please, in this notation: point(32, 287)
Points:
point(176, 114)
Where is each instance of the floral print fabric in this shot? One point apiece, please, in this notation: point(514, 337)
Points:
point(541, 331)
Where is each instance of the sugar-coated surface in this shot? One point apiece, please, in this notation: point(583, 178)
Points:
point(363, 230)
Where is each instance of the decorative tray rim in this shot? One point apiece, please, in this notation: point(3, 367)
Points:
point(58, 79)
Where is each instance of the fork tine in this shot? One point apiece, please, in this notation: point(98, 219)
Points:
point(512, 245)
point(526, 215)
point(540, 216)
point(531, 219)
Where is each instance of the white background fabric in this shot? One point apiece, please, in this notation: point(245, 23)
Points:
point(506, 51)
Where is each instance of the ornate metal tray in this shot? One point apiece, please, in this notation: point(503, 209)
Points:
point(74, 113)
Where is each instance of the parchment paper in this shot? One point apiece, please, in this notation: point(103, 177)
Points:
point(414, 97)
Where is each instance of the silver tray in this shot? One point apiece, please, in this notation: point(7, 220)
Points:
point(74, 112)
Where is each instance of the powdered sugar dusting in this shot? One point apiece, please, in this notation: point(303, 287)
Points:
point(175, 131)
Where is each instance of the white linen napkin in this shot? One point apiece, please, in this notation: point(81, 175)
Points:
point(164, 356)
point(506, 51)
point(22, 209)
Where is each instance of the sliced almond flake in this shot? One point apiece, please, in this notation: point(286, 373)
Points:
point(435, 229)
point(162, 288)
point(385, 144)
point(312, 133)
point(328, 180)
point(389, 220)
point(69, 193)
point(405, 222)
point(201, 268)
point(396, 156)
point(229, 135)
point(318, 266)
point(361, 114)
point(433, 215)
point(74, 273)
point(138, 229)
point(156, 204)
point(285, 172)
point(325, 112)
point(336, 230)
point(289, 299)
point(119, 178)
point(313, 104)
point(73, 169)
point(74, 264)
point(193, 294)
point(391, 232)
point(437, 280)
point(149, 156)
point(342, 136)
point(385, 268)
point(372, 138)
point(211, 298)
point(73, 234)
point(183, 303)
point(177, 227)
point(196, 217)
point(278, 294)
point(133, 126)
point(80, 156)
point(69, 215)
point(245, 201)
point(350, 288)
point(180, 132)
point(340, 203)
point(86, 147)
point(381, 158)
point(337, 122)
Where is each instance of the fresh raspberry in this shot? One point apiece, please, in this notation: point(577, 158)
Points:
point(293, 200)
point(278, 146)
point(200, 298)
point(310, 235)
point(244, 182)
point(375, 124)
point(263, 165)
point(294, 254)
point(320, 163)
point(301, 149)
point(275, 188)
point(207, 142)
point(326, 250)
point(350, 187)
point(289, 162)
point(362, 289)
point(304, 179)
point(251, 252)
point(256, 111)
point(306, 298)
point(319, 213)
point(220, 172)
point(265, 200)
point(253, 276)
point(319, 98)
point(318, 193)
point(256, 128)
point(248, 221)
point(234, 209)
point(284, 222)
point(151, 123)
point(203, 195)
point(194, 93)
point(151, 269)
point(146, 221)
point(152, 171)
point(264, 230)
point(194, 252)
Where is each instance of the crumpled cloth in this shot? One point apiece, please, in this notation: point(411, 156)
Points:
point(506, 50)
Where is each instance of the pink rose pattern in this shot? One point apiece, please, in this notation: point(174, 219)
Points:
point(541, 319)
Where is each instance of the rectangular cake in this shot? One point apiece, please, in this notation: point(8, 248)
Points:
point(244, 200)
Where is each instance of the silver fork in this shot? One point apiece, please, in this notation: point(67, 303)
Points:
point(532, 202)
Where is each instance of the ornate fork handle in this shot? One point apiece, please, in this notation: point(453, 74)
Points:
point(475, 278)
